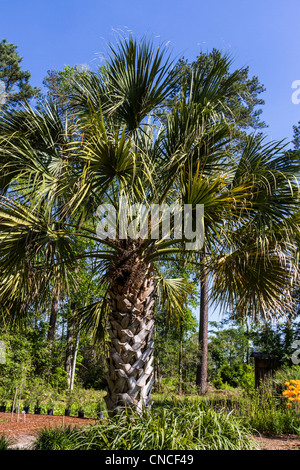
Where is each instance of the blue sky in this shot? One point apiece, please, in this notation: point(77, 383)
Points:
point(263, 34)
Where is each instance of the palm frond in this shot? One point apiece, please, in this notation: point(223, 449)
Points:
point(174, 293)
point(139, 80)
point(34, 251)
point(254, 283)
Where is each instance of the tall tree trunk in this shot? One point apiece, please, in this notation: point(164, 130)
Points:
point(53, 316)
point(288, 332)
point(130, 372)
point(248, 343)
point(156, 383)
point(69, 349)
point(75, 356)
point(203, 334)
point(156, 375)
point(180, 362)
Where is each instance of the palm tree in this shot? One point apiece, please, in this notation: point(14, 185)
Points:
point(132, 144)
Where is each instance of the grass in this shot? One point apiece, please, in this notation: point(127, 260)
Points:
point(214, 422)
point(267, 413)
point(180, 425)
point(262, 410)
point(59, 438)
point(4, 442)
point(217, 421)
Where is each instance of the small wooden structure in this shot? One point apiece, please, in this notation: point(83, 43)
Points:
point(264, 366)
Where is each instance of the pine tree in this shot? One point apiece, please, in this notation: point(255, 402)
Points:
point(15, 87)
point(296, 135)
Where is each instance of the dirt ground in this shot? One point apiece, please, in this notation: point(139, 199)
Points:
point(23, 432)
point(281, 442)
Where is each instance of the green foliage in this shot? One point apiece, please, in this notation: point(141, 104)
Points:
point(229, 351)
point(244, 105)
point(168, 342)
point(38, 391)
point(181, 425)
point(5, 442)
point(66, 171)
point(16, 81)
point(60, 84)
point(285, 374)
point(266, 412)
point(57, 438)
point(58, 378)
point(235, 375)
point(296, 136)
point(18, 366)
point(277, 339)
point(40, 373)
point(232, 342)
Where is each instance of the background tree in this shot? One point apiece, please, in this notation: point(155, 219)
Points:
point(60, 84)
point(230, 347)
point(244, 105)
point(16, 81)
point(174, 346)
point(296, 136)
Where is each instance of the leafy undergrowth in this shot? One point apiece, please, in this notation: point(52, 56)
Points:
point(5, 442)
point(263, 410)
point(185, 425)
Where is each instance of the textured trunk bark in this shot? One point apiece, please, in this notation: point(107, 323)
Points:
point(69, 349)
point(130, 372)
point(53, 316)
point(157, 378)
point(248, 345)
point(180, 354)
point(75, 356)
point(203, 335)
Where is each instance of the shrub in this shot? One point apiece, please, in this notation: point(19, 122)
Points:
point(59, 438)
point(265, 411)
point(4, 442)
point(183, 425)
point(235, 375)
point(285, 374)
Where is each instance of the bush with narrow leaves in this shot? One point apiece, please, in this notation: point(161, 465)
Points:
point(185, 425)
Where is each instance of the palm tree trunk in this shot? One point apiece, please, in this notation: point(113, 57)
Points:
point(203, 335)
point(130, 372)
